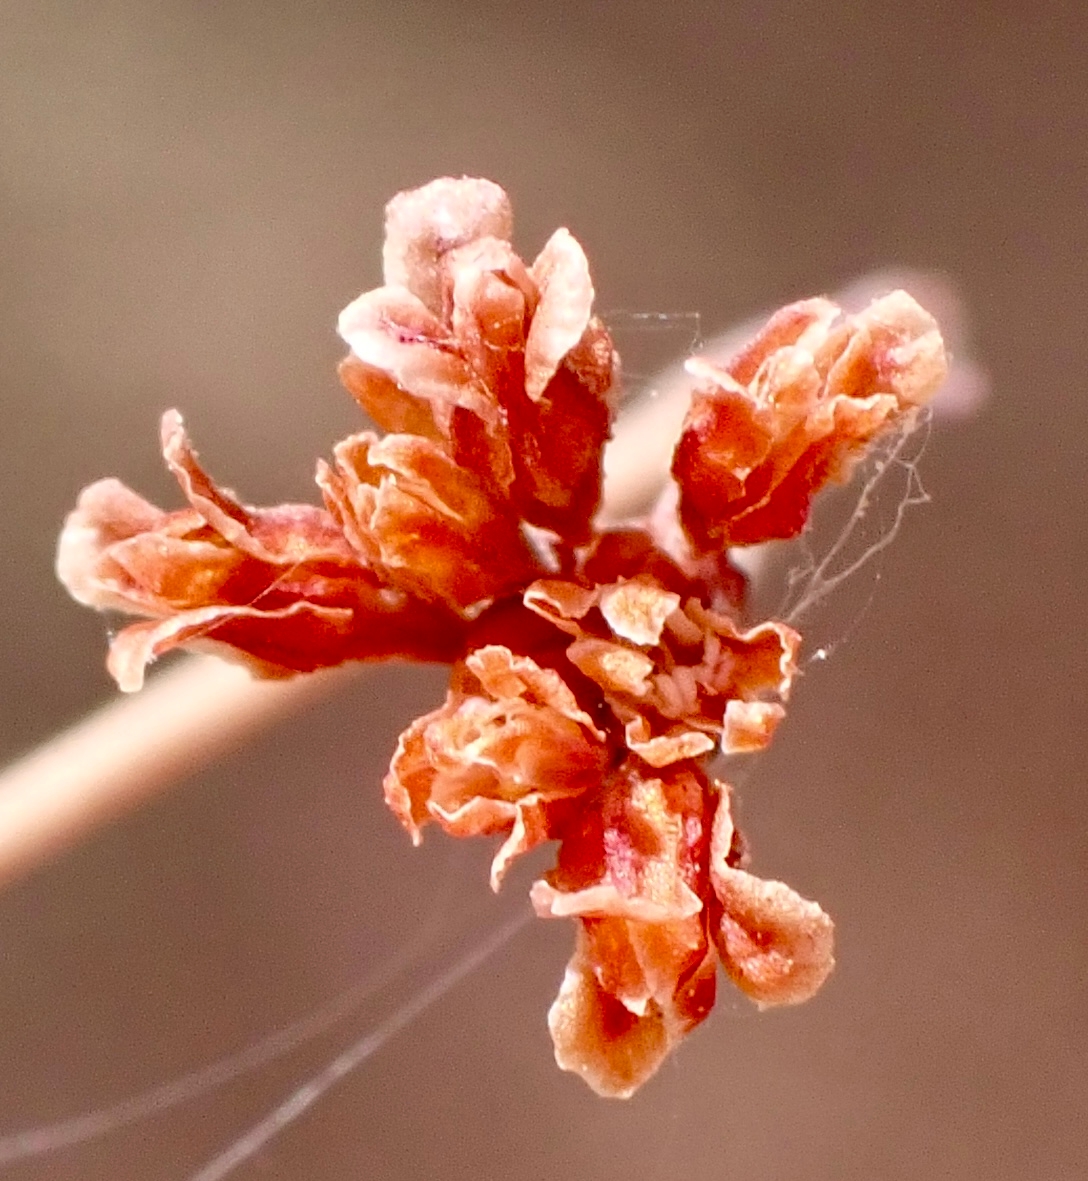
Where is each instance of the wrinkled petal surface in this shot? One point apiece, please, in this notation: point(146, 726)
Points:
point(795, 410)
point(279, 588)
point(505, 758)
point(642, 975)
point(777, 947)
point(502, 364)
point(426, 524)
point(594, 671)
point(669, 667)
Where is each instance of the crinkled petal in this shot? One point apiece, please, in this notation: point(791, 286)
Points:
point(506, 754)
point(281, 586)
point(674, 664)
point(560, 602)
point(776, 946)
point(749, 725)
point(273, 642)
point(637, 610)
point(426, 523)
point(561, 273)
point(608, 1024)
point(409, 371)
point(390, 330)
point(494, 298)
point(503, 675)
point(664, 749)
point(423, 226)
point(557, 441)
point(509, 369)
point(636, 853)
point(642, 975)
point(619, 670)
point(304, 635)
point(106, 513)
point(794, 411)
point(216, 506)
point(282, 535)
point(597, 1037)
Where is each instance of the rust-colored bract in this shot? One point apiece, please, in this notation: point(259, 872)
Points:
point(594, 672)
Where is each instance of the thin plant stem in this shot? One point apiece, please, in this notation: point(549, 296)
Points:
point(131, 749)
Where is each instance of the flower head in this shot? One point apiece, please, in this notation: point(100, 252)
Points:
point(595, 672)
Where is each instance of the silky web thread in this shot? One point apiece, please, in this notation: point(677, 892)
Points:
point(90, 1125)
point(899, 454)
point(304, 1096)
point(652, 347)
point(807, 586)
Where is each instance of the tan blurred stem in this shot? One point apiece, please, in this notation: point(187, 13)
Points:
point(128, 751)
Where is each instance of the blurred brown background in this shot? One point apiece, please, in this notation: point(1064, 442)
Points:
point(190, 192)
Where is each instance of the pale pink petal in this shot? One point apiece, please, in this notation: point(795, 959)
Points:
point(107, 512)
point(749, 725)
point(422, 227)
point(777, 947)
point(562, 316)
point(637, 610)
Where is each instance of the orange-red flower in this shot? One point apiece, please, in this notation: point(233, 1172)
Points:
point(502, 363)
point(279, 588)
point(595, 671)
point(795, 410)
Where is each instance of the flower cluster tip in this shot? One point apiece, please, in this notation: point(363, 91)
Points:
point(595, 671)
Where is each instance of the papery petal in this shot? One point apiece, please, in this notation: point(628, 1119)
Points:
point(278, 588)
point(504, 758)
point(560, 602)
point(282, 535)
point(368, 623)
point(642, 974)
point(673, 747)
point(636, 854)
point(426, 523)
point(527, 822)
point(561, 273)
point(653, 655)
point(894, 347)
point(510, 370)
point(776, 946)
point(749, 725)
point(393, 332)
point(106, 513)
point(422, 227)
point(802, 323)
point(408, 370)
point(615, 1046)
point(494, 298)
point(273, 641)
point(794, 411)
point(501, 674)
point(637, 610)
point(557, 440)
point(619, 670)
point(600, 1039)
point(216, 506)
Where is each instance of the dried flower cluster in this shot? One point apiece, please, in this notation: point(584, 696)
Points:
point(595, 671)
